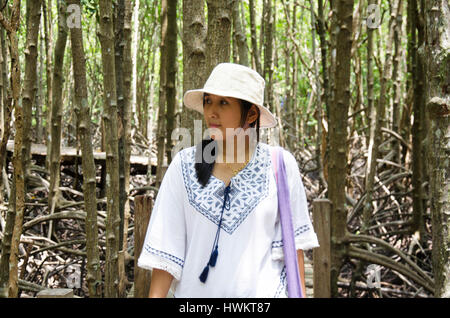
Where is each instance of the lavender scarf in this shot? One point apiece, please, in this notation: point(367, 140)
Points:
point(284, 208)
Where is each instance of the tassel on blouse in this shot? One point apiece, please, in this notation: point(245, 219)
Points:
point(213, 259)
point(204, 274)
point(215, 252)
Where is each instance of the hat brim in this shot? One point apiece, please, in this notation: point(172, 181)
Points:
point(194, 99)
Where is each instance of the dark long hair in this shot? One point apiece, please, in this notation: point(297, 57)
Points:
point(202, 167)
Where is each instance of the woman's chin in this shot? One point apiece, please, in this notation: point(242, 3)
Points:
point(216, 138)
point(216, 134)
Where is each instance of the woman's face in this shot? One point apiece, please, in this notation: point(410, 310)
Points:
point(221, 113)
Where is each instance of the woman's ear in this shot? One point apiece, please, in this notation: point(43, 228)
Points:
point(252, 114)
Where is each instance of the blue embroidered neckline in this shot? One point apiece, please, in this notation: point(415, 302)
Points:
point(248, 188)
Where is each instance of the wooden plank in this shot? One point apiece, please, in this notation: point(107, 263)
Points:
point(309, 278)
point(143, 205)
point(322, 254)
point(68, 154)
point(56, 293)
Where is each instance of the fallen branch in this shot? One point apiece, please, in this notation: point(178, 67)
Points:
point(351, 238)
point(56, 246)
point(362, 286)
point(400, 138)
point(358, 206)
point(401, 223)
point(28, 286)
point(59, 247)
point(385, 261)
point(80, 215)
point(391, 163)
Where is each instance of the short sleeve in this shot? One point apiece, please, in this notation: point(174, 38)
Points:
point(165, 240)
point(305, 237)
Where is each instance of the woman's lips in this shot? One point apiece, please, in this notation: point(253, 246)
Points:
point(213, 126)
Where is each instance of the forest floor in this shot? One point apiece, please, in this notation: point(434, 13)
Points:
point(54, 261)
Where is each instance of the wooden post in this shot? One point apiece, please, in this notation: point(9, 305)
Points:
point(322, 254)
point(56, 293)
point(143, 205)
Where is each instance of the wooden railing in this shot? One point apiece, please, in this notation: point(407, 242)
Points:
point(143, 205)
point(322, 254)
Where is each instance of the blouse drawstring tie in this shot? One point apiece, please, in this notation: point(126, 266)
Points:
point(215, 252)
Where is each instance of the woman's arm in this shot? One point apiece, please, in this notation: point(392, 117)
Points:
point(160, 283)
point(301, 269)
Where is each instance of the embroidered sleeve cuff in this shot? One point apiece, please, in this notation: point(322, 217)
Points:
point(306, 242)
point(151, 258)
point(305, 239)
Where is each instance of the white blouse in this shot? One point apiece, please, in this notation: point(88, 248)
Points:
point(185, 218)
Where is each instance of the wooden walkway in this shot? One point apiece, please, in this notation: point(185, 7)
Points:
point(309, 278)
point(138, 163)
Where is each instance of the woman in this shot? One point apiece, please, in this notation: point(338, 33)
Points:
point(214, 229)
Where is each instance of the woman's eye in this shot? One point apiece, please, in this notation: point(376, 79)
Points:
point(223, 102)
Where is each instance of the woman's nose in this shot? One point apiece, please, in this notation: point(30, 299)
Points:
point(212, 117)
point(212, 111)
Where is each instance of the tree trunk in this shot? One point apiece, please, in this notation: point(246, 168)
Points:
point(2, 109)
point(171, 74)
point(6, 243)
point(218, 38)
point(405, 121)
point(372, 113)
point(149, 111)
point(437, 52)
point(288, 108)
point(293, 106)
point(6, 106)
point(40, 88)
point(268, 55)
point(134, 48)
point(123, 85)
point(127, 78)
point(162, 93)
point(47, 12)
point(319, 115)
point(256, 56)
point(396, 106)
point(9, 224)
point(119, 43)
point(337, 169)
point(239, 36)
point(56, 112)
point(94, 275)
point(194, 57)
point(326, 90)
point(419, 125)
point(29, 83)
point(234, 45)
point(18, 207)
point(110, 120)
point(377, 118)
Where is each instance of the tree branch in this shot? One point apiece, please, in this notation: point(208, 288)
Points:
point(80, 215)
point(385, 261)
point(5, 23)
point(293, 39)
point(351, 238)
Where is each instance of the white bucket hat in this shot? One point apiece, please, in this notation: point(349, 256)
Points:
point(233, 80)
